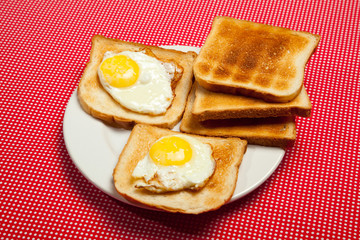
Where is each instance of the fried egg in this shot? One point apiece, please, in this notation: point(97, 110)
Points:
point(137, 81)
point(174, 163)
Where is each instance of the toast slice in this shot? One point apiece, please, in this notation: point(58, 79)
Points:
point(228, 154)
point(99, 104)
point(213, 105)
point(253, 59)
point(275, 132)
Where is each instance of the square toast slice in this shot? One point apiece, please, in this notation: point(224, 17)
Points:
point(95, 100)
point(213, 105)
point(227, 152)
point(253, 59)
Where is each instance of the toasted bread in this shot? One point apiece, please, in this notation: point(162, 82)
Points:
point(276, 132)
point(213, 105)
point(98, 103)
point(228, 154)
point(253, 59)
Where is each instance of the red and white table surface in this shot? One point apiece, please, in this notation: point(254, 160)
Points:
point(44, 46)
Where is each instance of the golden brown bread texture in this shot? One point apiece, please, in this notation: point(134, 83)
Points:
point(253, 59)
point(213, 105)
point(276, 132)
point(228, 154)
point(98, 103)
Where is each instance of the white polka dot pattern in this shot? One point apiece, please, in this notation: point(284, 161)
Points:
point(44, 46)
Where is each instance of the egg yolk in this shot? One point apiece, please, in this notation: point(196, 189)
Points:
point(120, 71)
point(171, 151)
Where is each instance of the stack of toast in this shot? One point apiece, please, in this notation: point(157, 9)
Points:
point(249, 83)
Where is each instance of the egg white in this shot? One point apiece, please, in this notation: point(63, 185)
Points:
point(194, 174)
point(151, 93)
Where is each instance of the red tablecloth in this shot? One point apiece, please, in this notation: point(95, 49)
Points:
point(44, 46)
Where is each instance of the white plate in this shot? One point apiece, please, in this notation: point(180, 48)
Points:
point(95, 147)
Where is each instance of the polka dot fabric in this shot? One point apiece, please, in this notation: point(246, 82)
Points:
point(44, 46)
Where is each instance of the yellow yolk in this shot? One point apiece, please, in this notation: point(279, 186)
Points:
point(171, 151)
point(120, 71)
